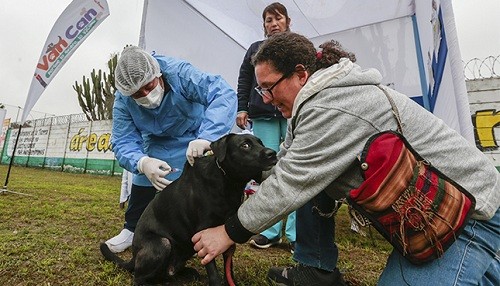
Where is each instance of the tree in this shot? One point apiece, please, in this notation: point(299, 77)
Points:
point(97, 93)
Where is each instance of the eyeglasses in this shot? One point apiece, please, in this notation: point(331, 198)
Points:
point(267, 92)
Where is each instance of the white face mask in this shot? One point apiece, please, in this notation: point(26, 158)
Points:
point(153, 99)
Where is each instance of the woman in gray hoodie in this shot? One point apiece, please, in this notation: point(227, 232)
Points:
point(335, 106)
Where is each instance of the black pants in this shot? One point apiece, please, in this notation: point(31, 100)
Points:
point(137, 203)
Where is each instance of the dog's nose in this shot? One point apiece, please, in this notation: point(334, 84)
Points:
point(270, 153)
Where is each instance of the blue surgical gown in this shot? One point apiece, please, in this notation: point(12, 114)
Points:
point(198, 105)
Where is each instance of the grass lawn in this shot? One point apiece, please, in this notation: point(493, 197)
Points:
point(52, 236)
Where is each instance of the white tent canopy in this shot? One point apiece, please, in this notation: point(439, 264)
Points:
point(242, 20)
point(412, 43)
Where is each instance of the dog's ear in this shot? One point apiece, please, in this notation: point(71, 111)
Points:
point(219, 147)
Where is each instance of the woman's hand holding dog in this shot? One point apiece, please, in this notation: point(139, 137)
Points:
point(211, 242)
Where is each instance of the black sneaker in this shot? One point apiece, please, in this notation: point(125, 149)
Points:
point(302, 275)
point(261, 241)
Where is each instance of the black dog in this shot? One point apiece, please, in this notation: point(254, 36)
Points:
point(204, 196)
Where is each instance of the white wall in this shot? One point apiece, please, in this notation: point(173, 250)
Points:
point(484, 100)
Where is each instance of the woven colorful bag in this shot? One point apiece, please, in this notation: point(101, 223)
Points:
point(413, 205)
point(418, 209)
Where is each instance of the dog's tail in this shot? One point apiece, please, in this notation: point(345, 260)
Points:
point(110, 256)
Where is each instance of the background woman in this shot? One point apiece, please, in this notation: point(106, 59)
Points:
point(267, 122)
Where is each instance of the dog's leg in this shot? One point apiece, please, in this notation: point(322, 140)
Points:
point(228, 265)
point(151, 261)
point(214, 278)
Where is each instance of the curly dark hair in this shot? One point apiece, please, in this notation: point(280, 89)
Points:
point(286, 50)
point(332, 51)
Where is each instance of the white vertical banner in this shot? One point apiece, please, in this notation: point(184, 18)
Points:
point(446, 95)
point(73, 26)
point(5, 127)
point(3, 112)
point(457, 73)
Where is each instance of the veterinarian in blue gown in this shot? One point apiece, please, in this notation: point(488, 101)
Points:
point(165, 111)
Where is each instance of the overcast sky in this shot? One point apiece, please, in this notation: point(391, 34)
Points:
point(25, 25)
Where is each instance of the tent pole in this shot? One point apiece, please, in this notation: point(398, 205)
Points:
point(4, 189)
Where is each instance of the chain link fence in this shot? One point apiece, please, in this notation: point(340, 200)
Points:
point(55, 120)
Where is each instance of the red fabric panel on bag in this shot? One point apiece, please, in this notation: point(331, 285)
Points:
point(380, 163)
point(389, 167)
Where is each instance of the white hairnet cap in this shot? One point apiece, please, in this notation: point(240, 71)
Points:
point(134, 69)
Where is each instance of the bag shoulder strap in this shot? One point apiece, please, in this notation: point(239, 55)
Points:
point(395, 111)
point(293, 121)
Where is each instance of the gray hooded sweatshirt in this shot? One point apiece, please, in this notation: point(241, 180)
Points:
point(340, 108)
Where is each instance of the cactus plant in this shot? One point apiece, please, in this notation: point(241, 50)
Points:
point(96, 94)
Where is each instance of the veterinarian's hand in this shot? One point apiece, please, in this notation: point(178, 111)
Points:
point(155, 170)
point(196, 148)
point(211, 242)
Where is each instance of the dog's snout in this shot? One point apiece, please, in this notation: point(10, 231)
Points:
point(270, 153)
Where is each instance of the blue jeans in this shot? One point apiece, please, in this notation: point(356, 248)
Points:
point(473, 259)
point(315, 245)
point(272, 132)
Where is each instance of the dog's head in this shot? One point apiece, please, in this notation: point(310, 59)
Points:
point(243, 156)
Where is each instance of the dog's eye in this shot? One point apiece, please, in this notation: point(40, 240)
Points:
point(245, 146)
